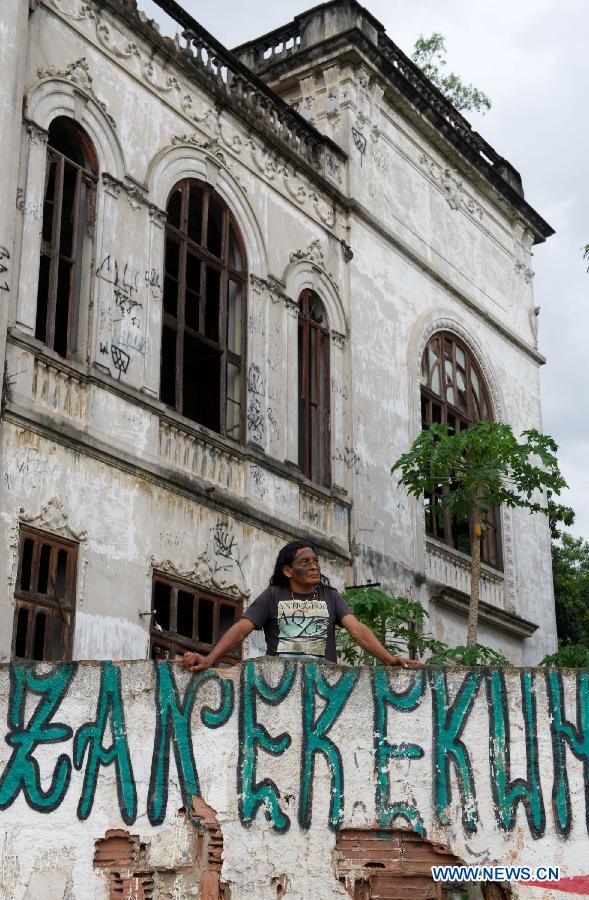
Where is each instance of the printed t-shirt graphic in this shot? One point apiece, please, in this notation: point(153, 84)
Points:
point(302, 627)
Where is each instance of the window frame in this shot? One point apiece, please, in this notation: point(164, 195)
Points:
point(310, 331)
point(179, 643)
point(177, 324)
point(51, 254)
point(53, 607)
point(442, 526)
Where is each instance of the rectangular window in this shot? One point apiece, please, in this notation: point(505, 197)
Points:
point(185, 617)
point(45, 597)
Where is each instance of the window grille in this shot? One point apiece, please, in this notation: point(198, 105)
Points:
point(203, 339)
point(70, 181)
point(314, 390)
point(453, 391)
point(45, 597)
point(184, 617)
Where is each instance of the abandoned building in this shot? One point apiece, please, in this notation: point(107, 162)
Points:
point(237, 283)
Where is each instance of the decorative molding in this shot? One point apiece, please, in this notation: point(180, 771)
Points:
point(338, 339)
point(136, 196)
point(451, 186)
point(204, 575)
point(111, 185)
point(78, 73)
point(523, 241)
point(158, 216)
point(211, 145)
point(314, 256)
point(292, 308)
point(313, 253)
point(37, 135)
point(54, 517)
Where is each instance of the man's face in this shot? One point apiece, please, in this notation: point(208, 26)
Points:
point(304, 569)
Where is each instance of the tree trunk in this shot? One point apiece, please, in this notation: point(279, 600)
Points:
point(475, 580)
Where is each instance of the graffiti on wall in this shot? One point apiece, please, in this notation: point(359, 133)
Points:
point(34, 722)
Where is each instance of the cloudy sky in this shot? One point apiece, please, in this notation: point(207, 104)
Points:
point(530, 57)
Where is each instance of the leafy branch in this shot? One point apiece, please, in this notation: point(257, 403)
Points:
point(430, 55)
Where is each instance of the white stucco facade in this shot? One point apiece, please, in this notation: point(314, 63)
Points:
point(400, 231)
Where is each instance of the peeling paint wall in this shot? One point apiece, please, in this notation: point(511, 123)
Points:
point(137, 779)
point(90, 453)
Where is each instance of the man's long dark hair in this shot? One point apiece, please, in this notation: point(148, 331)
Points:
point(285, 558)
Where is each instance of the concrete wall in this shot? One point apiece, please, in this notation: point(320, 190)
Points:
point(141, 777)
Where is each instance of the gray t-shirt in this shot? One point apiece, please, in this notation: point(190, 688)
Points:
point(295, 624)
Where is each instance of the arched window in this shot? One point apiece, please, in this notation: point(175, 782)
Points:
point(314, 405)
point(203, 339)
point(70, 181)
point(453, 391)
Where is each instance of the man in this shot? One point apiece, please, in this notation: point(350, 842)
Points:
point(298, 612)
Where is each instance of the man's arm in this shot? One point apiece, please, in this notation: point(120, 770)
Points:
point(196, 662)
point(368, 641)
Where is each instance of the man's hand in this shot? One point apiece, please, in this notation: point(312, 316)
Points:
point(368, 641)
point(196, 662)
point(404, 662)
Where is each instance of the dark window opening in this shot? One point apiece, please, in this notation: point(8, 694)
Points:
point(45, 597)
point(453, 392)
point(69, 184)
point(314, 391)
point(203, 342)
point(186, 618)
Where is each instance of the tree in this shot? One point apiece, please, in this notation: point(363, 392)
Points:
point(480, 468)
point(396, 621)
point(570, 570)
point(430, 55)
point(586, 254)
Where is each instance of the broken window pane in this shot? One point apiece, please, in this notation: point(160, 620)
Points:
point(235, 260)
point(70, 178)
point(209, 322)
point(215, 227)
point(465, 391)
point(213, 287)
point(194, 223)
point(234, 317)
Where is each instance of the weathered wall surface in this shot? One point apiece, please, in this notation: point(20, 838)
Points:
point(141, 777)
point(93, 455)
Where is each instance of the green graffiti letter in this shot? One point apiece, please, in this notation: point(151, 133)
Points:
point(252, 734)
point(315, 740)
point(91, 735)
point(173, 726)
point(22, 770)
point(447, 726)
point(383, 751)
point(564, 732)
point(528, 791)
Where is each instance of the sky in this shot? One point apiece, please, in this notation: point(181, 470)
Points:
point(530, 57)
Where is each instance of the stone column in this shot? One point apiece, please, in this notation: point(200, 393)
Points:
point(31, 208)
point(155, 295)
point(338, 472)
point(292, 380)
